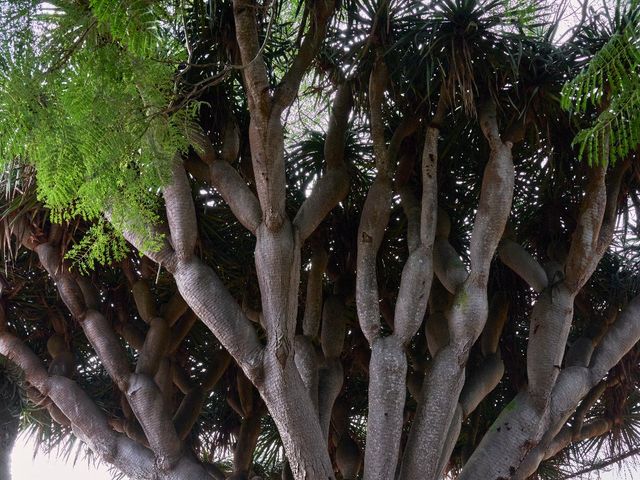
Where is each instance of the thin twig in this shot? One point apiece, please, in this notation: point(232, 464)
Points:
point(603, 464)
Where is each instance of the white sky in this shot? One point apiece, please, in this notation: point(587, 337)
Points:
point(25, 467)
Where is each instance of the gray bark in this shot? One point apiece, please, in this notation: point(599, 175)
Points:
point(89, 423)
point(388, 365)
point(299, 383)
point(466, 317)
point(536, 416)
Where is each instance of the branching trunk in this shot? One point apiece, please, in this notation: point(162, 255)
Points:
point(549, 401)
point(466, 317)
point(388, 366)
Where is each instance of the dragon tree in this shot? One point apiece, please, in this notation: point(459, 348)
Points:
point(323, 239)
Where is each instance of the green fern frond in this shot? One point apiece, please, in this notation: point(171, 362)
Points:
point(612, 79)
point(99, 129)
point(616, 131)
point(100, 245)
point(136, 23)
point(610, 68)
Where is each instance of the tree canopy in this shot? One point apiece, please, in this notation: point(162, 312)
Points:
point(326, 238)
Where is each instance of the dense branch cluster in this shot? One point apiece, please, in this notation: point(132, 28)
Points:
point(198, 285)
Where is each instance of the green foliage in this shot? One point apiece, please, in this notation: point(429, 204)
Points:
point(98, 122)
point(137, 23)
point(101, 244)
point(611, 83)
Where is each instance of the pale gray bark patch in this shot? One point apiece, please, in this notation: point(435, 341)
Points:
point(501, 454)
point(278, 269)
point(287, 90)
point(329, 190)
point(224, 178)
point(333, 186)
point(387, 392)
point(181, 212)
point(549, 328)
point(254, 71)
point(520, 261)
point(415, 285)
point(506, 443)
point(298, 424)
point(434, 415)
point(620, 338)
point(447, 265)
point(158, 427)
point(267, 150)
point(213, 304)
point(467, 315)
point(450, 442)
point(143, 394)
point(373, 222)
point(236, 194)
point(388, 365)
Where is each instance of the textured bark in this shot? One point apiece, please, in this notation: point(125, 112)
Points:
point(213, 304)
point(277, 253)
point(226, 180)
point(143, 395)
point(254, 71)
point(234, 190)
point(388, 365)
point(442, 386)
point(519, 260)
point(294, 362)
point(90, 424)
point(387, 374)
point(466, 317)
point(374, 218)
point(333, 186)
point(302, 437)
point(511, 444)
point(287, 90)
point(273, 357)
